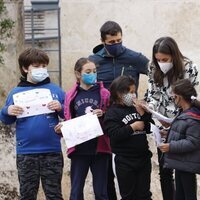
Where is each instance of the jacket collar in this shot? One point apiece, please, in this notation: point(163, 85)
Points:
point(101, 51)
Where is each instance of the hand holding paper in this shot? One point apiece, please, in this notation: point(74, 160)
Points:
point(81, 129)
point(33, 102)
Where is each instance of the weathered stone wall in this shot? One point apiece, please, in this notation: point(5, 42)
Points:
point(9, 70)
point(142, 21)
point(8, 79)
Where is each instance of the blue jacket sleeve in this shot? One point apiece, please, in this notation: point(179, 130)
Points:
point(4, 117)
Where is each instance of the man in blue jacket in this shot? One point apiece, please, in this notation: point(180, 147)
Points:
point(112, 60)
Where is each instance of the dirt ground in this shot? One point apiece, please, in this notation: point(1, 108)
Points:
point(88, 190)
point(9, 182)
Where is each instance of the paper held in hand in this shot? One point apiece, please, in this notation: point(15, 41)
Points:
point(81, 129)
point(156, 133)
point(33, 102)
point(159, 116)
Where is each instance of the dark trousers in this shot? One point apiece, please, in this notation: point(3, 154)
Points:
point(134, 177)
point(80, 165)
point(186, 185)
point(111, 184)
point(166, 179)
point(48, 167)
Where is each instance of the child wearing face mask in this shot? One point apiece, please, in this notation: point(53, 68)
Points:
point(167, 66)
point(127, 124)
point(182, 148)
point(39, 155)
point(87, 95)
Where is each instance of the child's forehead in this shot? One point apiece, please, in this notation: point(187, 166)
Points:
point(38, 64)
point(89, 65)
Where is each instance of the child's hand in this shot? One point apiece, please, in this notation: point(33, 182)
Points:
point(55, 105)
point(57, 128)
point(163, 133)
point(15, 110)
point(165, 124)
point(139, 106)
point(164, 147)
point(98, 112)
point(137, 126)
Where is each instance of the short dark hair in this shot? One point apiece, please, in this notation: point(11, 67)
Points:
point(120, 85)
point(32, 56)
point(110, 28)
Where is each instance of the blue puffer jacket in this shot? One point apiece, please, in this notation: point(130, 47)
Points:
point(127, 63)
point(184, 139)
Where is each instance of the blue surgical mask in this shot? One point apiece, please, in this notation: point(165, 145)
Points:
point(114, 49)
point(89, 79)
point(39, 74)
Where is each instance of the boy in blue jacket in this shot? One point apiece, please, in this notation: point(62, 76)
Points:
point(38, 147)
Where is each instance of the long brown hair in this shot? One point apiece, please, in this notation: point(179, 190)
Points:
point(168, 45)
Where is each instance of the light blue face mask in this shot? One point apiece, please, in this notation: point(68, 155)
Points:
point(39, 74)
point(89, 79)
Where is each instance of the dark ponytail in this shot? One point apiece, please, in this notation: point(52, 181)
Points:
point(186, 89)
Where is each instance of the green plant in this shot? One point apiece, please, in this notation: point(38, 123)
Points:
point(6, 26)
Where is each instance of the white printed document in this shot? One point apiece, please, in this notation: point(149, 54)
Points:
point(81, 129)
point(159, 116)
point(33, 102)
point(156, 132)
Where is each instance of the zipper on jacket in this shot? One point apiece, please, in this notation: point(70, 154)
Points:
point(114, 73)
point(122, 72)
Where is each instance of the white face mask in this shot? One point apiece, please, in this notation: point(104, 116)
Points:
point(128, 99)
point(39, 74)
point(165, 67)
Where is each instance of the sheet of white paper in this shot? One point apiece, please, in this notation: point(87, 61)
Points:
point(156, 132)
point(160, 116)
point(81, 129)
point(34, 102)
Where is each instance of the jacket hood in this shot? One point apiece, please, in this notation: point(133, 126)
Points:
point(98, 48)
point(193, 113)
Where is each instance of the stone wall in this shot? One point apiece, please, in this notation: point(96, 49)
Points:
point(9, 72)
point(142, 21)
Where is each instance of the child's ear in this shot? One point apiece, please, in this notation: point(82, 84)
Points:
point(25, 70)
point(78, 75)
point(119, 97)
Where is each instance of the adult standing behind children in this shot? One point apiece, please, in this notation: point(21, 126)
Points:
point(39, 155)
point(112, 60)
point(182, 149)
point(167, 66)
